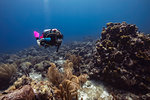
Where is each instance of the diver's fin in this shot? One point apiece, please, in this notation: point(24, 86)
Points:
point(57, 48)
point(36, 34)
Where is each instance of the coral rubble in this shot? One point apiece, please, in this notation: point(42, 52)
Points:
point(122, 58)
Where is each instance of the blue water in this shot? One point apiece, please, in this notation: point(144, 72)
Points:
point(74, 18)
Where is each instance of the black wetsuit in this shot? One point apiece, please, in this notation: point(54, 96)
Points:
point(55, 36)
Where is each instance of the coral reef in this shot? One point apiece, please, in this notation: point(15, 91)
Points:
point(66, 84)
point(122, 58)
point(6, 73)
point(61, 85)
point(20, 82)
point(42, 67)
point(67, 90)
point(24, 93)
point(54, 76)
point(76, 60)
point(24, 80)
point(25, 67)
point(41, 89)
point(93, 90)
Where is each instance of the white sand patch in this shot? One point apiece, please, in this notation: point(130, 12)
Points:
point(60, 61)
point(35, 76)
point(94, 91)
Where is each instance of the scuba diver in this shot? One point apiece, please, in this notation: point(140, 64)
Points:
point(50, 37)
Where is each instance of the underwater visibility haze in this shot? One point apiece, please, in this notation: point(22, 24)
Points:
point(74, 18)
point(101, 49)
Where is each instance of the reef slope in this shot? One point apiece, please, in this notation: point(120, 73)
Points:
point(122, 58)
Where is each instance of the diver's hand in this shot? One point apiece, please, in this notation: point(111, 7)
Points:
point(38, 42)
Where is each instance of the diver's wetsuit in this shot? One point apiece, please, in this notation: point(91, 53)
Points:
point(51, 38)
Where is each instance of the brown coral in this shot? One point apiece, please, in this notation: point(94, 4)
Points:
point(24, 80)
point(123, 56)
point(24, 93)
point(68, 68)
point(54, 75)
point(82, 79)
point(67, 90)
point(66, 83)
point(42, 89)
point(6, 72)
point(76, 60)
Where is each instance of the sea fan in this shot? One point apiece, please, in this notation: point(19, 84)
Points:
point(66, 84)
point(7, 70)
point(76, 60)
point(68, 67)
point(6, 73)
point(82, 79)
point(54, 75)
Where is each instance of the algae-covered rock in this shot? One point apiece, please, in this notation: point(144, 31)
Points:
point(26, 64)
point(44, 65)
point(26, 67)
point(42, 90)
point(24, 80)
point(122, 58)
point(24, 93)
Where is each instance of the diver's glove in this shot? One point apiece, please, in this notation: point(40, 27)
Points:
point(38, 42)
